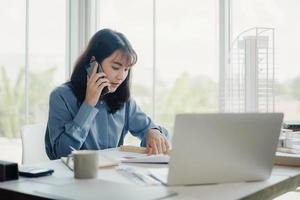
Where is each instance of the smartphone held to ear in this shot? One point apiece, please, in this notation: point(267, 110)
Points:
point(89, 69)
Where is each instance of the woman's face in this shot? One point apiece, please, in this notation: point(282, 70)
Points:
point(116, 69)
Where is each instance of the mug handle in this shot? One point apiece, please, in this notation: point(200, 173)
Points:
point(68, 160)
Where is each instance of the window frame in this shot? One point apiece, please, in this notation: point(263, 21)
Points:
point(83, 17)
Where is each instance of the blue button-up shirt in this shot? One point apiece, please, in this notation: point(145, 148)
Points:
point(86, 127)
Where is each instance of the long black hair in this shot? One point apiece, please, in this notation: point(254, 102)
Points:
point(104, 43)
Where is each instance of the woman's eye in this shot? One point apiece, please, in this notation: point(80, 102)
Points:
point(115, 68)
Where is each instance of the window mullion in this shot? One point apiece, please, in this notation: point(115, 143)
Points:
point(154, 61)
point(79, 29)
point(224, 48)
point(26, 70)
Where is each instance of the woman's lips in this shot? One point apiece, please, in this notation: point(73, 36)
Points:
point(115, 84)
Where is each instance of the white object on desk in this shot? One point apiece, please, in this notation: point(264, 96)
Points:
point(104, 161)
point(288, 150)
point(160, 174)
point(138, 175)
point(159, 158)
point(133, 157)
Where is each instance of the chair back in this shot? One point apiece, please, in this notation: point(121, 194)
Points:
point(33, 143)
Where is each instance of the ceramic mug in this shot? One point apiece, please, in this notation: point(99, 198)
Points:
point(85, 163)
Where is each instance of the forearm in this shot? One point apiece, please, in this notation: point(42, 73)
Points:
point(64, 135)
point(73, 136)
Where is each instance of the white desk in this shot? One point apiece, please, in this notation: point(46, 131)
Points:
point(62, 185)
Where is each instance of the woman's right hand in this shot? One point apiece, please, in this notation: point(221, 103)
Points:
point(94, 86)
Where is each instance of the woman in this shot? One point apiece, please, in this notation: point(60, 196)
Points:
point(81, 116)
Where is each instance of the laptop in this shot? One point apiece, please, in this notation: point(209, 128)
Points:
point(221, 147)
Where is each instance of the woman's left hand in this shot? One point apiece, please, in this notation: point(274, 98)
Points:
point(157, 143)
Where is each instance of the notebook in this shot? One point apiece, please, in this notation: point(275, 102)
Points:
point(135, 149)
point(288, 159)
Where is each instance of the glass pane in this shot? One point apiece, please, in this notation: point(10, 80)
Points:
point(186, 71)
point(12, 57)
point(47, 32)
point(187, 58)
point(136, 22)
point(283, 17)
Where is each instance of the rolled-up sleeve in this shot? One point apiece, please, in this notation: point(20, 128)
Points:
point(64, 130)
point(139, 123)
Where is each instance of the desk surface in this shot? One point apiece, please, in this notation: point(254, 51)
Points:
point(62, 185)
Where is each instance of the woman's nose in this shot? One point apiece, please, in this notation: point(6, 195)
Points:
point(121, 75)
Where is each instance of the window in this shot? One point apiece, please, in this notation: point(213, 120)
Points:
point(177, 47)
point(25, 86)
point(187, 58)
point(282, 16)
point(12, 52)
point(122, 16)
point(47, 31)
point(137, 25)
point(176, 42)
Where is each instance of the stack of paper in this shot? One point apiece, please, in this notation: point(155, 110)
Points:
point(159, 159)
point(135, 157)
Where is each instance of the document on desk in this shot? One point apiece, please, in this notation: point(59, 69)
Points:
point(133, 157)
point(160, 174)
point(159, 159)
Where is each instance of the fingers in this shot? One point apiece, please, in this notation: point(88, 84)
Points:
point(102, 86)
point(164, 143)
point(95, 77)
point(95, 68)
point(149, 150)
point(157, 147)
point(154, 147)
point(95, 84)
point(167, 144)
point(157, 143)
point(163, 146)
point(95, 87)
point(100, 81)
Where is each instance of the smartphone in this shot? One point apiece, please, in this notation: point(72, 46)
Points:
point(34, 172)
point(89, 69)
